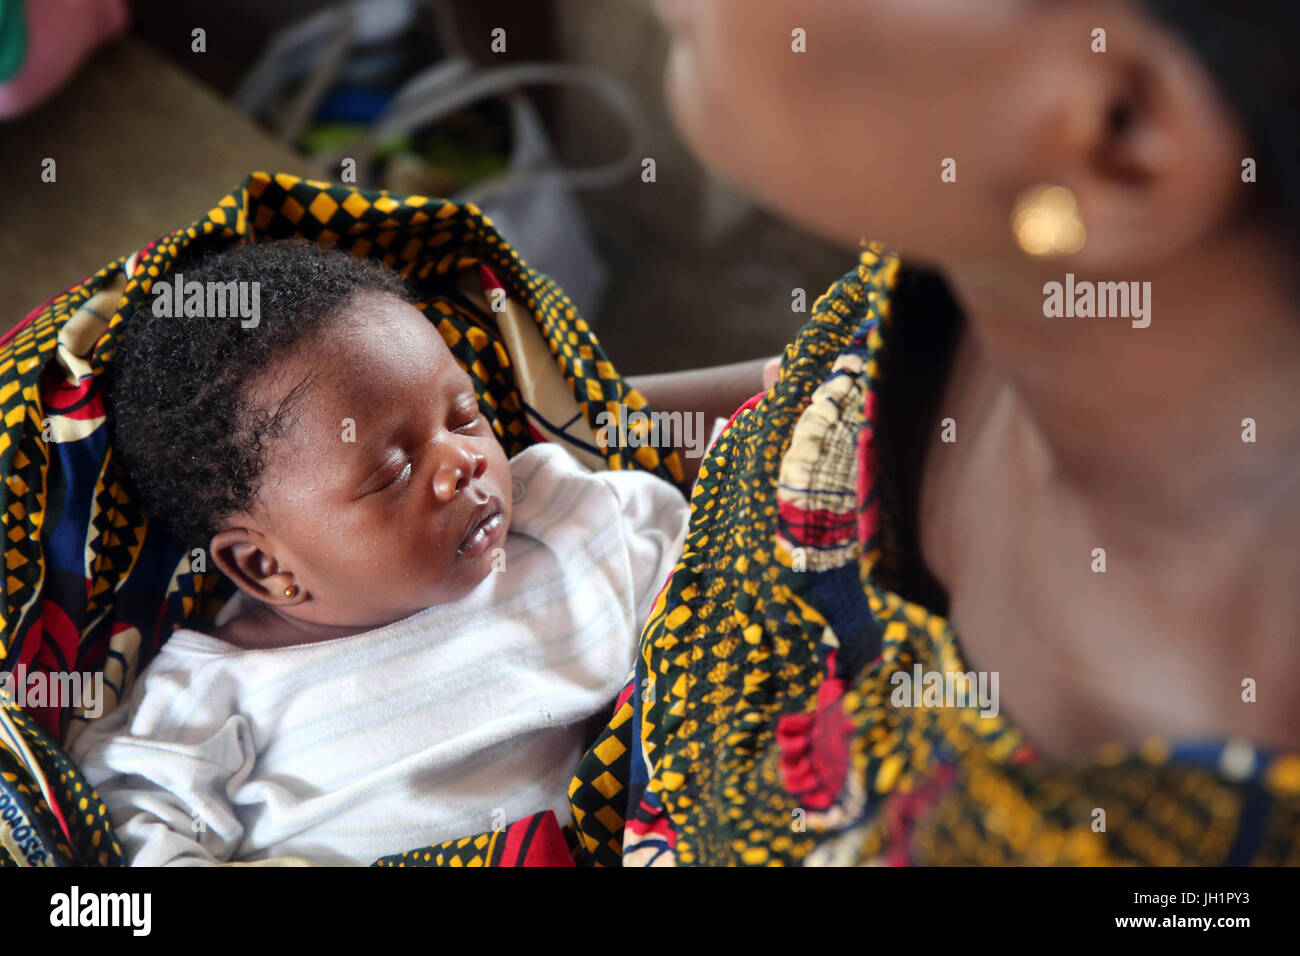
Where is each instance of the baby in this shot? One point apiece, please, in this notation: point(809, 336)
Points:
point(421, 628)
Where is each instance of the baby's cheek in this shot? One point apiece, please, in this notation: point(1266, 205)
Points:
point(431, 550)
point(457, 582)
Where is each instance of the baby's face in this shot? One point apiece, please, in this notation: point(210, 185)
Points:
point(388, 492)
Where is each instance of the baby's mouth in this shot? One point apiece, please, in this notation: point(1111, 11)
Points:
point(485, 524)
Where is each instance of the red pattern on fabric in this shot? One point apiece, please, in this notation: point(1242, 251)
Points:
point(488, 278)
point(544, 847)
point(53, 627)
point(60, 397)
point(653, 821)
point(818, 527)
point(144, 252)
point(901, 812)
point(868, 458)
point(1024, 754)
point(815, 748)
point(625, 694)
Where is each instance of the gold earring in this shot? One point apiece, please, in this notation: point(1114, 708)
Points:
point(291, 591)
point(1046, 221)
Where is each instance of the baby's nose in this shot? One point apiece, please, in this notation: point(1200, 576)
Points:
point(461, 465)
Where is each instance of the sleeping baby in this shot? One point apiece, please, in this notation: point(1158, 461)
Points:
point(422, 627)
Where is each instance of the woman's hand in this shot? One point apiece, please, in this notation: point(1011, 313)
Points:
point(771, 371)
point(705, 394)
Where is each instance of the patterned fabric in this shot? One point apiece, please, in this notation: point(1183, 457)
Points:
point(90, 587)
point(532, 841)
point(762, 730)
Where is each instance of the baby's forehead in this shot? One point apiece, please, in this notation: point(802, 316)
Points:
point(375, 362)
point(377, 335)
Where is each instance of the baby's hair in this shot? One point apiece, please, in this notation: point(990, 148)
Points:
point(191, 441)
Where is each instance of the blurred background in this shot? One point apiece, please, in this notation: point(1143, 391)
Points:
point(545, 125)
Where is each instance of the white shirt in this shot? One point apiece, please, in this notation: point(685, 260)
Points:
point(451, 722)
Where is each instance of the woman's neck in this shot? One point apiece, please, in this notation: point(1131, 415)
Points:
point(1185, 421)
point(1109, 543)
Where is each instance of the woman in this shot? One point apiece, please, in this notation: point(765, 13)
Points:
point(1080, 496)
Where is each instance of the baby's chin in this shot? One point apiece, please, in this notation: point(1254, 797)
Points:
point(467, 562)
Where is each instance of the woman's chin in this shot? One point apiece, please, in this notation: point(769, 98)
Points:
point(677, 16)
point(695, 113)
point(679, 87)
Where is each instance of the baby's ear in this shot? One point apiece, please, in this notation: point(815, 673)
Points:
point(243, 554)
